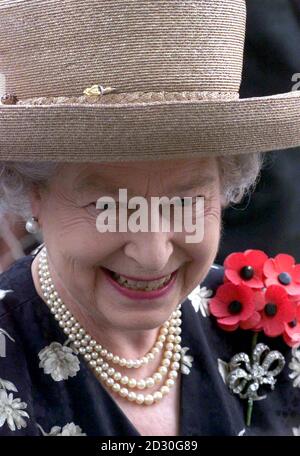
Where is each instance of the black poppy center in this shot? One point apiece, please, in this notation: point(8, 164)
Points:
point(285, 278)
point(293, 324)
point(235, 307)
point(270, 309)
point(247, 272)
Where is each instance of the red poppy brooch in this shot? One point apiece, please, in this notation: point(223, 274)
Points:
point(259, 294)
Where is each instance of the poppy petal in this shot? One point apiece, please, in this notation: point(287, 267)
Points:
point(284, 262)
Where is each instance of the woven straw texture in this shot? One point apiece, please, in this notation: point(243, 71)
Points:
point(175, 67)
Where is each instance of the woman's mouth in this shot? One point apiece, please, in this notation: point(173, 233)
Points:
point(141, 288)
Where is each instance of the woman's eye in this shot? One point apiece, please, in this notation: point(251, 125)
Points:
point(103, 207)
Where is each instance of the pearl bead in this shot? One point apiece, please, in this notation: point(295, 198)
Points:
point(168, 354)
point(124, 380)
point(110, 381)
point(165, 390)
point(145, 360)
point(157, 377)
point(176, 356)
point(149, 399)
point(163, 370)
point(157, 396)
point(131, 396)
point(116, 387)
point(124, 392)
point(140, 398)
point(166, 362)
point(132, 383)
point(122, 362)
point(150, 382)
point(159, 345)
point(117, 376)
point(170, 382)
point(141, 384)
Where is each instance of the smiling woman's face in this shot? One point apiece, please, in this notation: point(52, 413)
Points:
point(79, 255)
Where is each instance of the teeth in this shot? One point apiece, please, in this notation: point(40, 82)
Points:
point(141, 285)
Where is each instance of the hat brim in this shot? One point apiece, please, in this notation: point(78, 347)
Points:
point(149, 131)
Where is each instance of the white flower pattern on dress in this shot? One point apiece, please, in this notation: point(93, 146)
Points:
point(186, 361)
point(223, 369)
point(11, 409)
point(294, 365)
point(3, 335)
point(199, 298)
point(59, 361)
point(3, 293)
point(70, 429)
point(296, 432)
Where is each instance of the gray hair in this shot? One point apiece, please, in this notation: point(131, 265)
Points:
point(238, 175)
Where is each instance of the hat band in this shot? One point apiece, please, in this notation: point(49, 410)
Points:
point(132, 97)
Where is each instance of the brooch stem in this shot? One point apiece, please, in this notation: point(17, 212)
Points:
point(250, 400)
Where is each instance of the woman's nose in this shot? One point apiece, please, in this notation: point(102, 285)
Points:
point(151, 251)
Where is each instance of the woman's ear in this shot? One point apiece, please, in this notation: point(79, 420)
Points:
point(35, 196)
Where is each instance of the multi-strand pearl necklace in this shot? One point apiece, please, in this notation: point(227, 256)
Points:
point(99, 358)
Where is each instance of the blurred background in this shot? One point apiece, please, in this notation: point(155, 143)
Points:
point(270, 219)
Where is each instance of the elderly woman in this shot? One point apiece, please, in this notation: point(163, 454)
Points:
point(104, 331)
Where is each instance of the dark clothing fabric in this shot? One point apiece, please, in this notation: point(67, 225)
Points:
point(207, 407)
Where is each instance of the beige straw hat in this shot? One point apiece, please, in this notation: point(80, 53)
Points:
point(113, 80)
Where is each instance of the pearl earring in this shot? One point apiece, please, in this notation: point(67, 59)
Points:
point(32, 225)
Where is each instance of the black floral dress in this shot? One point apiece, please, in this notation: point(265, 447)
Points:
point(48, 389)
